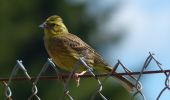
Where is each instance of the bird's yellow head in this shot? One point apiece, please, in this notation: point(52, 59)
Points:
point(54, 25)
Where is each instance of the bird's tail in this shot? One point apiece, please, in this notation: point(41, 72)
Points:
point(123, 80)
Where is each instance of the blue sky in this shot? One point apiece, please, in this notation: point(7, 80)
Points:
point(147, 23)
point(148, 28)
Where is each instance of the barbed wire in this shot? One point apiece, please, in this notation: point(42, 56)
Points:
point(67, 76)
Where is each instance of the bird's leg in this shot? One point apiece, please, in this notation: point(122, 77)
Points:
point(77, 77)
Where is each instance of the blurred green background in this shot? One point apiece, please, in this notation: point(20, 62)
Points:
point(21, 38)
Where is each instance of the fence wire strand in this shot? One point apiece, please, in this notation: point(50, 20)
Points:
point(49, 63)
point(137, 92)
point(8, 92)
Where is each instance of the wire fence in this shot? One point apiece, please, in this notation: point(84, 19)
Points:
point(137, 92)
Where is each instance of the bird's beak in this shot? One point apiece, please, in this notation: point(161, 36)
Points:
point(43, 25)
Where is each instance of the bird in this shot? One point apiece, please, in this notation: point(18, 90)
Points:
point(66, 49)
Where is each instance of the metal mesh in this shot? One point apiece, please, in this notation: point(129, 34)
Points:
point(137, 92)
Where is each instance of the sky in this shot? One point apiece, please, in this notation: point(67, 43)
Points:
point(146, 23)
point(148, 29)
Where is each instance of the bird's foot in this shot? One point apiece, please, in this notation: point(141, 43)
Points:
point(77, 77)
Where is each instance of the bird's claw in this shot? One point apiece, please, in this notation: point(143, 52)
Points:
point(77, 77)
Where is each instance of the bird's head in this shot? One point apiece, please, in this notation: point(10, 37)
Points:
point(54, 25)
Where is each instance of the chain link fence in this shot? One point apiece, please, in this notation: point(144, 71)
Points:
point(134, 77)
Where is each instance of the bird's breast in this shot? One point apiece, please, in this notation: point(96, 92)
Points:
point(60, 53)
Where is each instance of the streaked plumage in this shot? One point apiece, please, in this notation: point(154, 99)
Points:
point(65, 49)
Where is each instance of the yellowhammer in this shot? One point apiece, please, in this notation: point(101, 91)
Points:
point(65, 49)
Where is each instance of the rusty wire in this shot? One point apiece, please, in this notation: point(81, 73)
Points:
point(65, 76)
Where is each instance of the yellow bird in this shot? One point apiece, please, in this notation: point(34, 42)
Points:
point(66, 49)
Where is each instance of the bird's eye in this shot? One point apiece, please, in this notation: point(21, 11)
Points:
point(52, 20)
point(51, 24)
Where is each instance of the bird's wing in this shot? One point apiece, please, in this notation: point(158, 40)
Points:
point(84, 50)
